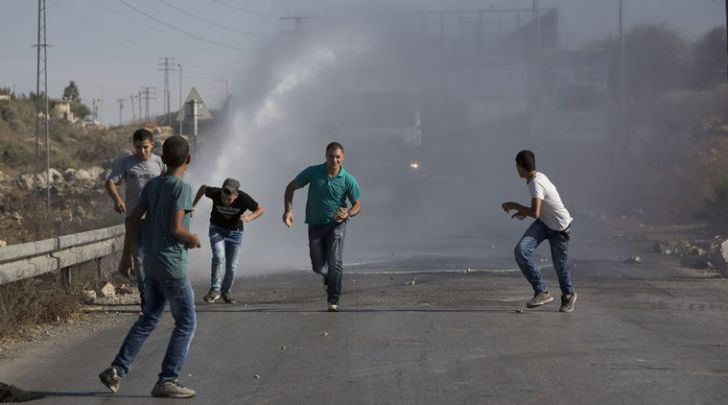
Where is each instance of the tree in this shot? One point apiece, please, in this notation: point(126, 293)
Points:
point(71, 93)
point(709, 59)
point(80, 110)
point(656, 60)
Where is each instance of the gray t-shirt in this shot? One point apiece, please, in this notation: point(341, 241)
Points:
point(135, 173)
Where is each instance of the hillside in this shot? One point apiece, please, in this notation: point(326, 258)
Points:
point(80, 158)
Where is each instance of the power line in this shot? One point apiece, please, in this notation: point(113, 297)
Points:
point(195, 16)
point(181, 31)
point(127, 15)
point(259, 14)
point(102, 29)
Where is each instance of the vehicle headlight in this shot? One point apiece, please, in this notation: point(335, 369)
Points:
point(414, 165)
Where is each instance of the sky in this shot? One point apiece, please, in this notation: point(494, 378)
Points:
point(112, 48)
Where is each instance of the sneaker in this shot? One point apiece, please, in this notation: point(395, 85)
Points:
point(228, 297)
point(540, 299)
point(567, 302)
point(171, 389)
point(111, 379)
point(334, 308)
point(212, 296)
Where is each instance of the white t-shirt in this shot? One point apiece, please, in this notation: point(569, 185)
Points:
point(553, 213)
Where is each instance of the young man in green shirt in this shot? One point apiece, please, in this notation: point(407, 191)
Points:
point(329, 186)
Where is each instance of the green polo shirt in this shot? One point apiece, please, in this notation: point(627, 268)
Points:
point(326, 193)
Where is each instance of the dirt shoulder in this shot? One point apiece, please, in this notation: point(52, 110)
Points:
point(691, 244)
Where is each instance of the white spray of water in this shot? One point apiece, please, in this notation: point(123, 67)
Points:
point(263, 152)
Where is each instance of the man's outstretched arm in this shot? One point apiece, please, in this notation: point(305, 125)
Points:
point(534, 211)
point(288, 203)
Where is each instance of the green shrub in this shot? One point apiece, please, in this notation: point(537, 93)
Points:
point(16, 154)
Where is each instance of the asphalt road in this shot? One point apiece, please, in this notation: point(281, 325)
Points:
point(646, 333)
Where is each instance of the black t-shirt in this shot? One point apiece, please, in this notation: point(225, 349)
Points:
point(228, 216)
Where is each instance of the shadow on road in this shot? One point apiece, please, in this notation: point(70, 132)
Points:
point(97, 394)
point(363, 310)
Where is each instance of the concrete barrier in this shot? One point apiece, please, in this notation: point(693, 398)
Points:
point(32, 259)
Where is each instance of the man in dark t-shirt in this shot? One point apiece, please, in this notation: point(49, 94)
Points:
point(229, 205)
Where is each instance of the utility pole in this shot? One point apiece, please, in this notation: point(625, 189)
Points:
point(166, 65)
point(133, 111)
point(139, 101)
point(180, 96)
point(121, 108)
point(94, 110)
point(622, 109)
point(41, 84)
point(225, 99)
point(147, 95)
point(194, 120)
point(537, 21)
point(226, 86)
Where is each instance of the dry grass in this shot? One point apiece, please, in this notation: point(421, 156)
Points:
point(50, 298)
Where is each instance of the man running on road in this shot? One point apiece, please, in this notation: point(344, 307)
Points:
point(327, 214)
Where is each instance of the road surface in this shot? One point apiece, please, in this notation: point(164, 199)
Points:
point(438, 325)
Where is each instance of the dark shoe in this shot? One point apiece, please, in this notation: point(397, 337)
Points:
point(171, 389)
point(567, 302)
point(111, 379)
point(228, 297)
point(540, 299)
point(212, 296)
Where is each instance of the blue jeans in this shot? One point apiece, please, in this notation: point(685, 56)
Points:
point(137, 255)
point(559, 243)
point(326, 247)
point(182, 305)
point(226, 245)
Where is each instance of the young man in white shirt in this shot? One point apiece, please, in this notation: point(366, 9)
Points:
point(553, 222)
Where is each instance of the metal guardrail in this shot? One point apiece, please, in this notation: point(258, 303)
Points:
point(32, 259)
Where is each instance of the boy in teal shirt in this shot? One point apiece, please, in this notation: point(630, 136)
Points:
point(167, 203)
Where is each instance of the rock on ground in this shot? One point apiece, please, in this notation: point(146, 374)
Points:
point(108, 291)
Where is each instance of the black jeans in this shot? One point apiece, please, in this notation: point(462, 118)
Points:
point(326, 246)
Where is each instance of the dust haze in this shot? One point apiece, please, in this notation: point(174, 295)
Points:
point(431, 106)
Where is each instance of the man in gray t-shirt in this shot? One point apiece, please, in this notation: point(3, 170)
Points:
point(135, 171)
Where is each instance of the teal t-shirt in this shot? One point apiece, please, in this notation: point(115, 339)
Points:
point(165, 257)
point(326, 193)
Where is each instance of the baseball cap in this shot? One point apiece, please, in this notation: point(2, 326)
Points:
point(230, 186)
